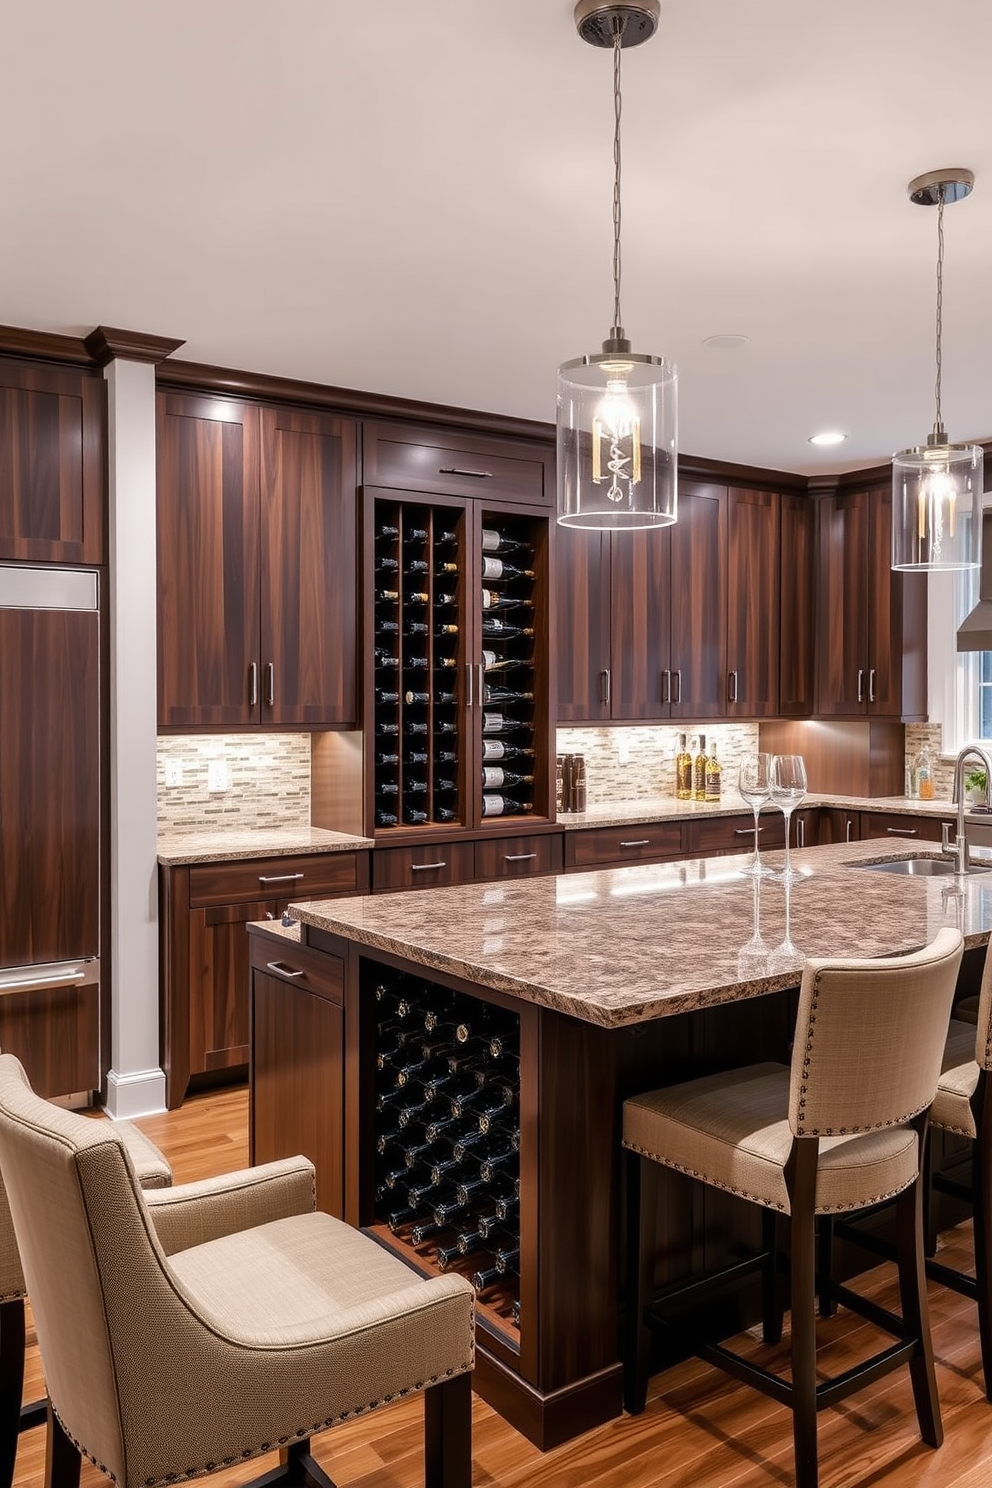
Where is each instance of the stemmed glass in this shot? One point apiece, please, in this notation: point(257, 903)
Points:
point(754, 786)
point(752, 958)
point(788, 786)
point(786, 956)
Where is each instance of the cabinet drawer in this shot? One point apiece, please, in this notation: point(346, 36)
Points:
point(901, 828)
point(306, 876)
point(604, 846)
point(412, 459)
point(422, 867)
point(731, 834)
point(510, 857)
point(315, 972)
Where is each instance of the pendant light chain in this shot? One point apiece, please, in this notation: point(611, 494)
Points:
point(618, 26)
point(938, 423)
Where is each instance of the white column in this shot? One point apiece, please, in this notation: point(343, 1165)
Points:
point(135, 1083)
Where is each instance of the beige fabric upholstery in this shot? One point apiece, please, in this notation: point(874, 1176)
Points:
point(151, 1170)
point(968, 1050)
point(866, 1059)
point(226, 1348)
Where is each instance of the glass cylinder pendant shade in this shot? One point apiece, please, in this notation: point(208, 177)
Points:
point(936, 507)
point(617, 441)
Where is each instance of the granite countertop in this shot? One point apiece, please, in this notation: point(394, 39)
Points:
point(219, 844)
point(664, 808)
point(615, 948)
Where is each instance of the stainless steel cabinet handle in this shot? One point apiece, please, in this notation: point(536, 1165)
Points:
point(902, 831)
point(801, 830)
point(678, 686)
point(423, 867)
point(746, 831)
point(861, 685)
point(469, 669)
point(49, 980)
point(518, 857)
point(604, 686)
point(638, 842)
point(455, 470)
point(732, 687)
point(871, 685)
point(253, 684)
point(666, 691)
point(280, 878)
point(270, 684)
point(282, 969)
point(850, 824)
point(482, 682)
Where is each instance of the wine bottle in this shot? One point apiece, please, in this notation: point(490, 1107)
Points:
point(445, 814)
point(417, 726)
point(699, 771)
point(415, 787)
point(387, 627)
point(445, 726)
point(387, 788)
point(446, 629)
point(508, 1260)
point(500, 804)
point(500, 1097)
point(400, 1217)
point(416, 566)
point(386, 595)
point(386, 819)
point(386, 531)
point(444, 1126)
point(415, 534)
point(501, 1046)
point(395, 1177)
point(683, 772)
point(493, 600)
point(467, 1141)
point(447, 568)
point(494, 777)
point(447, 663)
point(412, 698)
point(384, 658)
point(446, 1210)
point(485, 1278)
point(495, 625)
point(417, 627)
point(387, 726)
point(502, 722)
point(493, 696)
point(419, 1194)
point(437, 1019)
point(445, 538)
point(426, 1230)
point(443, 600)
point(383, 759)
point(493, 662)
point(384, 697)
point(416, 597)
point(415, 818)
point(507, 1207)
point(445, 1254)
point(445, 786)
point(417, 757)
point(489, 1225)
point(515, 1312)
point(498, 542)
point(498, 749)
point(711, 787)
point(491, 1166)
point(386, 565)
point(442, 1167)
point(496, 569)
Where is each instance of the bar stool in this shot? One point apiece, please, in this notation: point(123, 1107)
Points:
point(842, 1129)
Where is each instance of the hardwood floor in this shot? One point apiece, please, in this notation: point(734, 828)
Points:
point(699, 1428)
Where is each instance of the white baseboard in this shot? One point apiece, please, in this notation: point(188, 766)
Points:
point(139, 1094)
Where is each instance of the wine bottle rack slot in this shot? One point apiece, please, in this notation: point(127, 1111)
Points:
point(417, 664)
point(447, 1130)
point(509, 738)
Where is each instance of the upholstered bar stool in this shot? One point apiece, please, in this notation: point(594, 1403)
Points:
point(841, 1129)
point(151, 1171)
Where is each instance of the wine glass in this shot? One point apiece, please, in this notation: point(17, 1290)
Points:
point(754, 786)
point(788, 786)
point(752, 958)
point(786, 956)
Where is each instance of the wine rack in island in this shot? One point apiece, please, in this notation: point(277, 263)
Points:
point(447, 1131)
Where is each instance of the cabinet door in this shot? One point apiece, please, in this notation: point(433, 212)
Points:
point(844, 531)
point(297, 1076)
point(208, 572)
point(584, 622)
point(752, 604)
point(309, 569)
point(796, 612)
point(51, 464)
point(641, 611)
point(218, 984)
point(897, 624)
point(699, 602)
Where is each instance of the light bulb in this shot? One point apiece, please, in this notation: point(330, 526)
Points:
point(616, 434)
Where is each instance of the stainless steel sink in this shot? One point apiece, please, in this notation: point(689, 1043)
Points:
point(922, 867)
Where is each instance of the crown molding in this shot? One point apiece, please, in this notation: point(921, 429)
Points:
point(105, 343)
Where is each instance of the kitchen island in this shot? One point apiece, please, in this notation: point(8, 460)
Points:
point(604, 984)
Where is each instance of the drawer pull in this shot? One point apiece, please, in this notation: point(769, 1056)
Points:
point(423, 867)
point(638, 842)
point(280, 878)
point(456, 470)
point(901, 831)
point(282, 969)
point(746, 831)
point(518, 857)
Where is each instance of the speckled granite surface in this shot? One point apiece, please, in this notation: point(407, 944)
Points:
point(217, 845)
point(614, 948)
point(664, 808)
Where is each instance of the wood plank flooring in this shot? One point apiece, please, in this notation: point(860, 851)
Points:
point(699, 1429)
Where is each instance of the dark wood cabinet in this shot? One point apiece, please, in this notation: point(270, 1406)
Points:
point(445, 462)
point(585, 622)
point(797, 585)
point(204, 910)
point(753, 610)
point(900, 828)
point(871, 622)
point(52, 475)
point(257, 566)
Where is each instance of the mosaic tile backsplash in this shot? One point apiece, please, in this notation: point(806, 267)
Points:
point(240, 781)
point(631, 764)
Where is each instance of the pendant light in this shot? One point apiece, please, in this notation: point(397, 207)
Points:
point(617, 410)
point(937, 487)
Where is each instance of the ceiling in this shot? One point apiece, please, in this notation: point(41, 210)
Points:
point(413, 197)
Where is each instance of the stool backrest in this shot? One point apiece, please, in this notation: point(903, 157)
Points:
point(869, 1038)
point(983, 1033)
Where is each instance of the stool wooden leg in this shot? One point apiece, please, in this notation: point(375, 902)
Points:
point(825, 1264)
point(804, 1346)
point(62, 1459)
point(913, 1297)
point(981, 1182)
point(11, 1384)
point(929, 1222)
point(771, 1289)
point(641, 1183)
point(448, 1433)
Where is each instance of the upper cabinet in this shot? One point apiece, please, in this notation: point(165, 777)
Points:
point(871, 622)
point(753, 617)
point(257, 566)
point(51, 464)
point(797, 608)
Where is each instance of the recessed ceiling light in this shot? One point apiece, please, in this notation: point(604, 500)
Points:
point(725, 343)
point(828, 437)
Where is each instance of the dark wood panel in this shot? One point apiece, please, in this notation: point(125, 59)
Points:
point(511, 857)
point(55, 1033)
point(52, 483)
point(885, 591)
point(601, 846)
point(297, 1080)
point(584, 624)
point(699, 603)
point(421, 458)
point(218, 984)
point(902, 829)
point(641, 613)
point(733, 834)
point(303, 876)
point(309, 569)
point(842, 605)
point(49, 786)
point(752, 603)
point(208, 562)
point(422, 867)
point(797, 579)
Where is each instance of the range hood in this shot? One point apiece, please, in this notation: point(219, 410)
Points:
point(975, 632)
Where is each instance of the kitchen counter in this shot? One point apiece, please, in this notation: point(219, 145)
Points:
point(220, 845)
point(623, 946)
point(665, 808)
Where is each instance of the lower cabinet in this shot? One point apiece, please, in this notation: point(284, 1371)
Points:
point(903, 828)
point(431, 865)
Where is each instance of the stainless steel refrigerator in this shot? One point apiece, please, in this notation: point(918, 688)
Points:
point(50, 825)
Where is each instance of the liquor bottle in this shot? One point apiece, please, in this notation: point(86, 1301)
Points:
point(498, 749)
point(498, 542)
point(495, 569)
point(683, 772)
point(384, 759)
point(415, 597)
point(494, 777)
point(712, 781)
point(499, 804)
point(415, 818)
point(386, 819)
point(386, 565)
point(699, 771)
point(491, 696)
point(384, 595)
point(495, 625)
point(502, 722)
point(492, 599)
point(384, 658)
point(384, 697)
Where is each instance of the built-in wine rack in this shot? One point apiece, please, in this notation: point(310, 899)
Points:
point(508, 702)
point(417, 665)
point(447, 1130)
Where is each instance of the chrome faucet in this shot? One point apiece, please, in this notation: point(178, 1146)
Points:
point(958, 850)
